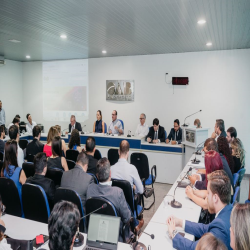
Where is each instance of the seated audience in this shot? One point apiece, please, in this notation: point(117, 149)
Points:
point(77, 179)
point(115, 127)
point(218, 199)
point(90, 151)
point(231, 134)
point(99, 126)
point(40, 164)
point(156, 133)
point(209, 242)
point(56, 160)
point(142, 128)
point(219, 129)
point(74, 141)
point(238, 154)
point(240, 227)
point(35, 146)
point(2, 136)
point(47, 147)
point(197, 123)
point(14, 135)
point(114, 194)
point(122, 170)
point(175, 133)
point(224, 149)
point(64, 148)
point(10, 168)
point(74, 125)
point(14, 122)
point(30, 125)
point(63, 223)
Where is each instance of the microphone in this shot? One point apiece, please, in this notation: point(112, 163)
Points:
point(197, 151)
point(185, 125)
point(62, 135)
point(82, 133)
point(140, 246)
point(174, 203)
point(79, 240)
point(129, 135)
point(151, 235)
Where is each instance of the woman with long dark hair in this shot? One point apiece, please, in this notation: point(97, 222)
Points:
point(74, 141)
point(98, 126)
point(238, 154)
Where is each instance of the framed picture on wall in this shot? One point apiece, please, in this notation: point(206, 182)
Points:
point(120, 90)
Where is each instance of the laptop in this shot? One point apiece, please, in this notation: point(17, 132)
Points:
point(103, 232)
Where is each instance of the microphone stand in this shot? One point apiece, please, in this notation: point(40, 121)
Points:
point(129, 135)
point(185, 125)
point(197, 152)
point(62, 135)
point(82, 133)
point(140, 246)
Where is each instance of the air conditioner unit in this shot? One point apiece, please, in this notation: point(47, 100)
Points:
point(2, 61)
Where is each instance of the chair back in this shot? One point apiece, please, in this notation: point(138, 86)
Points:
point(95, 178)
point(30, 158)
point(105, 128)
point(10, 197)
point(71, 164)
point(97, 155)
point(29, 169)
point(235, 178)
point(94, 203)
point(113, 156)
point(72, 154)
point(1, 156)
point(236, 194)
point(121, 123)
point(35, 203)
point(140, 161)
point(55, 175)
point(67, 194)
point(23, 143)
point(241, 173)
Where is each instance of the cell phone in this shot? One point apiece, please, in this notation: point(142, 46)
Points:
point(45, 238)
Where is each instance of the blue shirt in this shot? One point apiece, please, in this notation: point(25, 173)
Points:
point(98, 126)
point(2, 117)
point(114, 124)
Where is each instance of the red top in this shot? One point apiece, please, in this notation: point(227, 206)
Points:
point(47, 150)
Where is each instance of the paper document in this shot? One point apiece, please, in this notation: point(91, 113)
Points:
point(103, 230)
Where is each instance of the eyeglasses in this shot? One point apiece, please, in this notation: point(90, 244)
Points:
point(141, 118)
point(113, 114)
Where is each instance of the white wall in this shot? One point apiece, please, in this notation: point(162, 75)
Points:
point(219, 85)
point(11, 89)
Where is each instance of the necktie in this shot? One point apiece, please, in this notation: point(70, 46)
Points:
point(156, 137)
point(175, 136)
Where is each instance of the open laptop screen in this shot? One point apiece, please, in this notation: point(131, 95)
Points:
point(103, 229)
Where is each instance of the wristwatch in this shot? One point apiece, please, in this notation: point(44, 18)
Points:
point(173, 234)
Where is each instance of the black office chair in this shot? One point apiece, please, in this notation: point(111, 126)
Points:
point(29, 169)
point(35, 203)
point(94, 203)
point(95, 178)
point(1, 156)
point(23, 143)
point(140, 161)
point(131, 199)
point(67, 194)
point(72, 155)
point(113, 156)
point(55, 175)
point(10, 197)
point(30, 158)
point(71, 164)
point(97, 155)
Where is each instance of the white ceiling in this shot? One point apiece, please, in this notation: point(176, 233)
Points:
point(122, 27)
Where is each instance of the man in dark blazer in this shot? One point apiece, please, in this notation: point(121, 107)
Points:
point(77, 179)
point(175, 133)
point(2, 135)
point(219, 129)
point(40, 163)
point(74, 125)
point(113, 194)
point(90, 151)
point(156, 133)
point(35, 146)
point(219, 196)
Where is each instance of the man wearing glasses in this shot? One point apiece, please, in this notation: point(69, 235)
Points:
point(142, 128)
point(115, 127)
point(175, 134)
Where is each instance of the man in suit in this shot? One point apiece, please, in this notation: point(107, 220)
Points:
point(77, 179)
point(35, 146)
point(156, 133)
point(218, 199)
point(40, 163)
point(219, 129)
point(175, 133)
point(74, 125)
point(2, 135)
point(113, 194)
point(90, 151)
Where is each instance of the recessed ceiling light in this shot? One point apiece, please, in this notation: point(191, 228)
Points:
point(14, 41)
point(202, 21)
point(104, 51)
point(28, 57)
point(209, 44)
point(63, 36)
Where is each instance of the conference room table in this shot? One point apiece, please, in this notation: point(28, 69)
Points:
point(20, 228)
